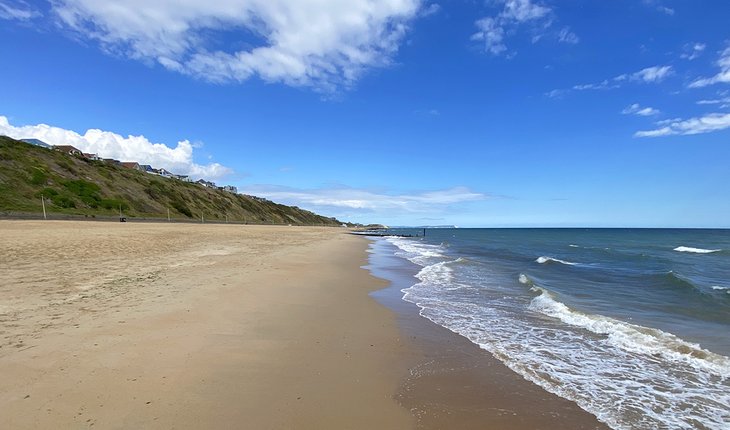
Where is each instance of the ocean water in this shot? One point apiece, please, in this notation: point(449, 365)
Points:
point(631, 324)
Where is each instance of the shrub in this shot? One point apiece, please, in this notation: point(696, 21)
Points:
point(66, 165)
point(81, 187)
point(182, 208)
point(47, 193)
point(87, 191)
point(63, 201)
point(114, 204)
point(38, 177)
point(152, 192)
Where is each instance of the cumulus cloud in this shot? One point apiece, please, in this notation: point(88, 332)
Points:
point(705, 124)
point(323, 44)
point(722, 77)
point(106, 144)
point(491, 30)
point(18, 10)
point(343, 200)
point(636, 109)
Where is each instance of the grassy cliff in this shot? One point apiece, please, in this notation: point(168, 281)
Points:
point(75, 186)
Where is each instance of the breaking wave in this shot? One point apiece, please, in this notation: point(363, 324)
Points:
point(629, 376)
point(525, 280)
point(633, 338)
point(544, 259)
point(696, 250)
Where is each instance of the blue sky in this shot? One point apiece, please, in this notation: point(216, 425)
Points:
point(473, 113)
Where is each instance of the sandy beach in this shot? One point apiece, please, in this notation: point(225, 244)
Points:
point(187, 326)
point(112, 325)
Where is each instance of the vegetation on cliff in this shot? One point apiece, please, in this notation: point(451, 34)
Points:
point(76, 186)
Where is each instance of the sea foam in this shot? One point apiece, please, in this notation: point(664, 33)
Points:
point(524, 279)
point(633, 338)
point(544, 259)
point(696, 250)
point(627, 375)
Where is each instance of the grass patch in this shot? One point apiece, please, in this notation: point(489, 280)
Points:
point(38, 177)
point(87, 191)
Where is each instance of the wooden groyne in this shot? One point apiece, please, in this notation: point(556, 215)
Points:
point(383, 233)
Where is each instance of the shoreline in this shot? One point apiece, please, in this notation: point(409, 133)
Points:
point(453, 383)
point(189, 326)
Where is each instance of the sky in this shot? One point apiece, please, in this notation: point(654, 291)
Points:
point(493, 113)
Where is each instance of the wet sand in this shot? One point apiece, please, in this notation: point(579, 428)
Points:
point(452, 383)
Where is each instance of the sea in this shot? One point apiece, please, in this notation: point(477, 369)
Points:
point(633, 325)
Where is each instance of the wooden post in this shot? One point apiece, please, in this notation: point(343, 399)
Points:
point(424, 232)
point(168, 214)
point(202, 220)
point(43, 203)
point(226, 218)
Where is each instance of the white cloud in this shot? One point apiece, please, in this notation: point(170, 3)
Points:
point(18, 10)
point(636, 109)
point(106, 144)
point(668, 121)
point(723, 102)
point(649, 75)
point(692, 51)
point(492, 29)
point(705, 124)
point(523, 10)
point(554, 94)
point(319, 43)
point(603, 85)
point(567, 36)
point(713, 101)
point(492, 34)
point(429, 10)
point(722, 77)
point(359, 200)
point(657, 4)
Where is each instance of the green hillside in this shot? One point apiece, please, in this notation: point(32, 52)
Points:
point(75, 186)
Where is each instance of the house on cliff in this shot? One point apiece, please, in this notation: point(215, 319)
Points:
point(68, 149)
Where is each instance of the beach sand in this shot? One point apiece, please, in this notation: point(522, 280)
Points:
point(117, 325)
point(127, 325)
